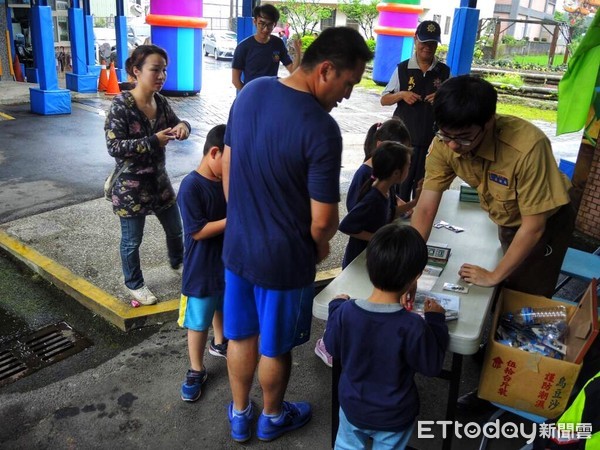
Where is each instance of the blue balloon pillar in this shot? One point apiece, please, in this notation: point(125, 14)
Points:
point(48, 99)
point(177, 27)
point(80, 80)
point(462, 40)
point(31, 73)
point(395, 30)
point(90, 51)
point(121, 32)
point(245, 27)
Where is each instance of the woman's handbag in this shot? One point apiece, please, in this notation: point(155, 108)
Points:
point(112, 178)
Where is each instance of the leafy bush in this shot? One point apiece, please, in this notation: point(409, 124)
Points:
point(371, 44)
point(509, 40)
point(506, 80)
point(442, 52)
point(483, 42)
point(100, 22)
point(306, 41)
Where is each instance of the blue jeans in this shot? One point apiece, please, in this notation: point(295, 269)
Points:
point(132, 231)
point(350, 437)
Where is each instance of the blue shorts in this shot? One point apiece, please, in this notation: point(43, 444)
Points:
point(281, 318)
point(197, 313)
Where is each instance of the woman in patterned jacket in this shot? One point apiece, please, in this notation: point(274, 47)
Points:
point(138, 128)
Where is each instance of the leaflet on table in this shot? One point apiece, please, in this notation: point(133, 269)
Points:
point(451, 303)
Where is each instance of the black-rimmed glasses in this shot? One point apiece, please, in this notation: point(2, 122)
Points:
point(462, 142)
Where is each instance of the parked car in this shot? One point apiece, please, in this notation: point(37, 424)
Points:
point(219, 43)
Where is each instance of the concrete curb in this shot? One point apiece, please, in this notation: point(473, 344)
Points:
point(92, 297)
point(99, 301)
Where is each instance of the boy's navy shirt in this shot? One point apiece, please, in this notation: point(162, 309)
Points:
point(201, 201)
point(381, 347)
point(255, 59)
point(281, 158)
point(369, 214)
point(360, 177)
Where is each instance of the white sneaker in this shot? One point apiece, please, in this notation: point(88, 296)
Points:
point(144, 295)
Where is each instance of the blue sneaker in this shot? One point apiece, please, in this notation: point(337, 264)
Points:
point(191, 389)
point(240, 424)
point(295, 415)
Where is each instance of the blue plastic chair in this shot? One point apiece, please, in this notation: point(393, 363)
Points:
point(580, 265)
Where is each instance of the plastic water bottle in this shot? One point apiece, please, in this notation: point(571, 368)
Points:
point(528, 316)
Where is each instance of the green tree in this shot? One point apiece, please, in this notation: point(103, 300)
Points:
point(303, 15)
point(363, 13)
point(577, 24)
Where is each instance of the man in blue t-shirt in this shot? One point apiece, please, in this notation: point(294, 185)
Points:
point(281, 170)
point(260, 54)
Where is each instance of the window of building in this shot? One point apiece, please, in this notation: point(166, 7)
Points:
point(437, 18)
point(352, 23)
point(330, 22)
point(447, 25)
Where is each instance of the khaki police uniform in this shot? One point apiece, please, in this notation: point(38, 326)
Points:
point(515, 174)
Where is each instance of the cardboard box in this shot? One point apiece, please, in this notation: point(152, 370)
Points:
point(529, 381)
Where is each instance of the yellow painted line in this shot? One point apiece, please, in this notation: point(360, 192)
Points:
point(6, 116)
point(97, 300)
point(91, 296)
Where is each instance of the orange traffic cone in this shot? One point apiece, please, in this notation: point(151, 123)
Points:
point(113, 84)
point(17, 69)
point(102, 80)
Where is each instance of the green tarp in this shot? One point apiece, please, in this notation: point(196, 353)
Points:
point(576, 89)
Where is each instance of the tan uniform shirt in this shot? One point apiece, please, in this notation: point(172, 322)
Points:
point(513, 170)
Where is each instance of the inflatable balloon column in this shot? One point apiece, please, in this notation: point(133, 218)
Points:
point(177, 27)
point(398, 20)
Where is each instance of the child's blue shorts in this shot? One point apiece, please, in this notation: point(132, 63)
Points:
point(282, 318)
point(196, 313)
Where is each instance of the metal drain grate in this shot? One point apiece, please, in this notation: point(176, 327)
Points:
point(27, 354)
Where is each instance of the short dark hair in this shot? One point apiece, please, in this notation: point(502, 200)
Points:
point(215, 138)
point(396, 255)
point(390, 130)
point(343, 46)
point(268, 11)
point(388, 157)
point(464, 101)
point(139, 55)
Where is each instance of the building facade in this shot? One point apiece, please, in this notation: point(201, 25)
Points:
point(527, 10)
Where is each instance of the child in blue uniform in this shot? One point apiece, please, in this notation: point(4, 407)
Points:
point(377, 393)
point(391, 161)
point(390, 130)
point(203, 209)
